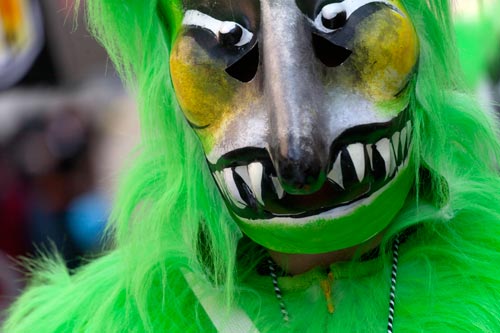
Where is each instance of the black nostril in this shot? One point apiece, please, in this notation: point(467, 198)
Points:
point(328, 53)
point(303, 176)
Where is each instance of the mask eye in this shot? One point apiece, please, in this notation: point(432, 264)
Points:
point(229, 34)
point(333, 16)
point(233, 34)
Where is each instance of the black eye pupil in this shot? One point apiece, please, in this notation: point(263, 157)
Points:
point(336, 22)
point(231, 37)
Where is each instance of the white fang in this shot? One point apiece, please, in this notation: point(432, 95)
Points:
point(384, 148)
point(395, 143)
point(407, 159)
point(403, 140)
point(357, 153)
point(233, 189)
point(277, 186)
point(393, 164)
point(255, 172)
point(219, 178)
point(336, 173)
point(370, 155)
point(242, 171)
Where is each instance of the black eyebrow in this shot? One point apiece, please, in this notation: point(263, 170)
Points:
point(311, 8)
point(244, 12)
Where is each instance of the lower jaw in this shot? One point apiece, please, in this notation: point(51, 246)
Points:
point(332, 231)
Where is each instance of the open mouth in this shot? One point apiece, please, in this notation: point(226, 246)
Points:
point(363, 159)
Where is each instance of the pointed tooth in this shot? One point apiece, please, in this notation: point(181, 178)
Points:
point(233, 189)
point(407, 158)
point(357, 153)
point(336, 173)
point(384, 148)
point(255, 171)
point(349, 176)
point(395, 144)
point(409, 129)
point(278, 188)
point(242, 171)
point(370, 155)
point(379, 170)
point(393, 164)
point(404, 136)
point(219, 177)
point(404, 163)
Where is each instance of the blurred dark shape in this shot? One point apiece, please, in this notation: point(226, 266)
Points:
point(43, 71)
point(494, 76)
point(494, 68)
point(52, 154)
point(10, 283)
point(13, 208)
point(52, 97)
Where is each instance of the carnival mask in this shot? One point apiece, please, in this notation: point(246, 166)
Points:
point(303, 110)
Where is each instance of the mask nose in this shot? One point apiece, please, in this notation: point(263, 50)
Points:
point(294, 97)
point(300, 171)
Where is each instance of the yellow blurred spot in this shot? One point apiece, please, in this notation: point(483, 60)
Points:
point(14, 20)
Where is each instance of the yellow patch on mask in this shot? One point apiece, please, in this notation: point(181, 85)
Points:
point(385, 53)
point(201, 85)
point(208, 96)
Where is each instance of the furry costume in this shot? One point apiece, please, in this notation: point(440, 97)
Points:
point(170, 221)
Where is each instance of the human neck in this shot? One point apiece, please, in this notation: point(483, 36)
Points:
point(300, 263)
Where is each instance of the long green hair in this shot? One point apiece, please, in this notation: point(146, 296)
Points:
point(169, 216)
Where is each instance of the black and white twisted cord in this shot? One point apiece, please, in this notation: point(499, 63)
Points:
point(277, 290)
point(392, 297)
point(394, 274)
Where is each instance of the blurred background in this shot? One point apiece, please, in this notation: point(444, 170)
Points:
point(67, 126)
point(477, 28)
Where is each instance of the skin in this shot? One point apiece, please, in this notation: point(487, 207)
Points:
point(294, 111)
point(295, 264)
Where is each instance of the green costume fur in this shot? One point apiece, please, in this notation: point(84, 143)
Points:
point(170, 217)
point(478, 40)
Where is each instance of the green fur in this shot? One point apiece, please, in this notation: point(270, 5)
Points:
point(448, 276)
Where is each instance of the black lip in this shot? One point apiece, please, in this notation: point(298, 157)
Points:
point(330, 195)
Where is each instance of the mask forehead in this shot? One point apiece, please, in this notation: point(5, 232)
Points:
point(303, 110)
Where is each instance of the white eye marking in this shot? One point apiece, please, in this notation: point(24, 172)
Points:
point(342, 11)
point(218, 28)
